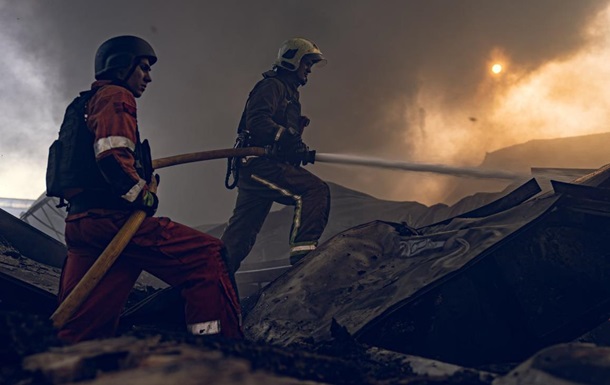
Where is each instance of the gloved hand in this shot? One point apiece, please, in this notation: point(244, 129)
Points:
point(148, 201)
point(291, 135)
point(295, 156)
point(291, 149)
point(301, 155)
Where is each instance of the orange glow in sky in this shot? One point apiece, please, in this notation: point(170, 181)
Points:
point(562, 98)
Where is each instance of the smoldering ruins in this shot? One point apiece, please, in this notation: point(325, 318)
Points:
point(500, 288)
point(501, 283)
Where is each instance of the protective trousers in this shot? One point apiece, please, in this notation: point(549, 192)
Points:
point(263, 181)
point(177, 254)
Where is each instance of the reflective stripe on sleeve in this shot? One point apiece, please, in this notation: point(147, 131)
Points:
point(133, 192)
point(204, 328)
point(110, 142)
point(279, 132)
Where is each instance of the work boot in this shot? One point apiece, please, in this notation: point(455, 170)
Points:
point(296, 258)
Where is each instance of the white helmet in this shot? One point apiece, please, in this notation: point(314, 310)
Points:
point(292, 51)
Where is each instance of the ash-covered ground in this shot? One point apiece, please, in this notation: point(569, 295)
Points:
point(340, 361)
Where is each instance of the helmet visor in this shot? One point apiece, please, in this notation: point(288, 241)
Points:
point(316, 58)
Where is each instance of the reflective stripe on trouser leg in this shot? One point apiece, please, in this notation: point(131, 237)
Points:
point(302, 248)
point(204, 328)
point(298, 207)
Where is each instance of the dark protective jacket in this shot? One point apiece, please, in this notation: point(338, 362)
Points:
point(272, 108)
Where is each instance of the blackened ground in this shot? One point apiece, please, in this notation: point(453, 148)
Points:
point(22, 334)
point(340, 361)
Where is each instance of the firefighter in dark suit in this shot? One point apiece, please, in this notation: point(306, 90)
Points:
point(272, 118)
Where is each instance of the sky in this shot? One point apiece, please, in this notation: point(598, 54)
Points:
point(406, 79)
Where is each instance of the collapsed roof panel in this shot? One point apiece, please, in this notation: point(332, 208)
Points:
point(31, 242)
point(469, 291)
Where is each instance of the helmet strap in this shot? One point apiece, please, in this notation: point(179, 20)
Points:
point(120, 79)
point(131, 71)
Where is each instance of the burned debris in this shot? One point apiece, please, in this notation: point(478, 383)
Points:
point(463, 300)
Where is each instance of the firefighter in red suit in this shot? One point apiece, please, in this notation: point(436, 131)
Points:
point(179, 255)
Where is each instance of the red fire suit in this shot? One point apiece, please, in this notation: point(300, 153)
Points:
point(177, 254)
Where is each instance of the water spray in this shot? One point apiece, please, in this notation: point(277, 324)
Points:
point(475, 172)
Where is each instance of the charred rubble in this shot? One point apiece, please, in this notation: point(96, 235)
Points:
point(512, 291)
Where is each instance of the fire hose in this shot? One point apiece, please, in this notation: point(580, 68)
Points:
point(103, 263)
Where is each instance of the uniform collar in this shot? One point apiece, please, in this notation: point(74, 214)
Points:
point(287, 77)
point(102, 83)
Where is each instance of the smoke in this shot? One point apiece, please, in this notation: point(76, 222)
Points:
point(406, 80)
point(27, 102)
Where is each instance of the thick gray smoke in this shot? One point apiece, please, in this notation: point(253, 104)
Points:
point(211, 53)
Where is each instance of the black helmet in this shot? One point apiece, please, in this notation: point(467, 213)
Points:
point(120, 52)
